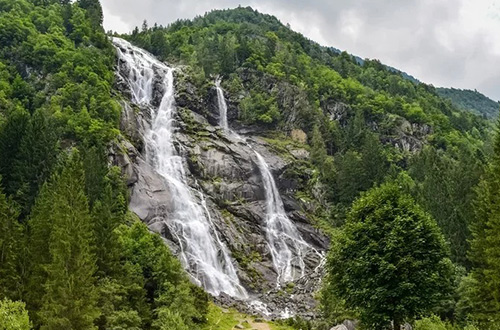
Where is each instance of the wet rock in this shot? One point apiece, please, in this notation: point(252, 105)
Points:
point(340, 327)
point(224, 167)
point(350, 324)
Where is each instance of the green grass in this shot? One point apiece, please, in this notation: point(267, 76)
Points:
point(226, 319)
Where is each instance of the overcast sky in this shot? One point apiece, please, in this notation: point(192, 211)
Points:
point(449, 43)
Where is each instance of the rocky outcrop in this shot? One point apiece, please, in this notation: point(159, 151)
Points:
point(407, 136)
point(223, 167)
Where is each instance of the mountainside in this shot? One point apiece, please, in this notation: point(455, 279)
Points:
point(471, 100)
point(228, 158)
point(362, 122)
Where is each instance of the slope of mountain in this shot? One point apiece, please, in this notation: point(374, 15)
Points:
point(472, 101)
point(240, 142)
point(362, 122)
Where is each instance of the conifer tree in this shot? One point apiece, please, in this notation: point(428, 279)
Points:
point(318, 149)
point(34, 161)
point(11, 135)
point(70, 295)
point(481, 298)
point(11, 242)
point(39, 230)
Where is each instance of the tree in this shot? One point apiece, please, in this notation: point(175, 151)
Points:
point(70, 295)
point(11, 135)
point(390, 261)
point(13, 316)
point(318, 148)
point(10, 249)
point(34, 160)
point(168, 320)
point(94, 12)
point(481, 288)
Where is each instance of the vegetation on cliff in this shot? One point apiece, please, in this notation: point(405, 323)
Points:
point(72, 256)
point(69, 248)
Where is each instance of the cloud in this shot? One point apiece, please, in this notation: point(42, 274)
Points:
point(442, 42)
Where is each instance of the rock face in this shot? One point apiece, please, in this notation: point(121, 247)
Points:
point(224, 168)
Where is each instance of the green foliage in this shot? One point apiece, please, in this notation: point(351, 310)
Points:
point(65, 241)
point(389, 262)
point(471, 101)
point(481, 289)
point(168, 320)
point(13, 316)
point(446, 193)
point(259, 107)
point(435, 323)
point(59, 61)
point(70, 293)
point(164, 280)
point(11, 248)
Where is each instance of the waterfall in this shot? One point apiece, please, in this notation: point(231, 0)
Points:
point(203, 254)
point(288, 248)
point(222, 106)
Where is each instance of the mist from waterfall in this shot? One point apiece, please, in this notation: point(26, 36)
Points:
point(288, 248)
point(203, 254)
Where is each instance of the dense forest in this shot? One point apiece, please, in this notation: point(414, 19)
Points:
point(408, 181)
point(471, 100)
point(70, 252)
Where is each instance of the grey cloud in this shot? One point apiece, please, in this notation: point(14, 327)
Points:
point(424, 38)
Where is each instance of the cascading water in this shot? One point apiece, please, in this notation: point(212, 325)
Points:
point(288, 248)
point(202, 252)
point(222, 106)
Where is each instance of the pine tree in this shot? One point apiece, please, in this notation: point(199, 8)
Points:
point(11, 243)
point(481, 299)
point(11, 135)
point(40, 223)
point(104, 223)
point(94, 12)
point(34, 161)
point(70, 295)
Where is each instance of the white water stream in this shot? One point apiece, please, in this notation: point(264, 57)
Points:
point(288, 248)
point(202, 252)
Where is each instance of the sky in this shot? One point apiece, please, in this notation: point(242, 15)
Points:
point(447, 43)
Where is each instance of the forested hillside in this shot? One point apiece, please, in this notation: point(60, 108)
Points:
point(471, 100)
point(69, 249)
point(404, 182)
point(365, 124)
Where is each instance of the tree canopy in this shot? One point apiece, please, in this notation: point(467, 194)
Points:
point(389, 262)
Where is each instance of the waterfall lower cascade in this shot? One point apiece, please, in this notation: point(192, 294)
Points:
point(288, 248)
point(202, 252)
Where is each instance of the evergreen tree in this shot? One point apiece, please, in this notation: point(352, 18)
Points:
point(94, 12)
point(34, 161)
point(481, 289)
point(390, 260)
point(11, 243)
point(318, 149)
point(70, 296)
point(11, 135)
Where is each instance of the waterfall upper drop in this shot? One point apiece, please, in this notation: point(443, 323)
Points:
point(288, 248)
point(202, 252)
point(222, 106)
